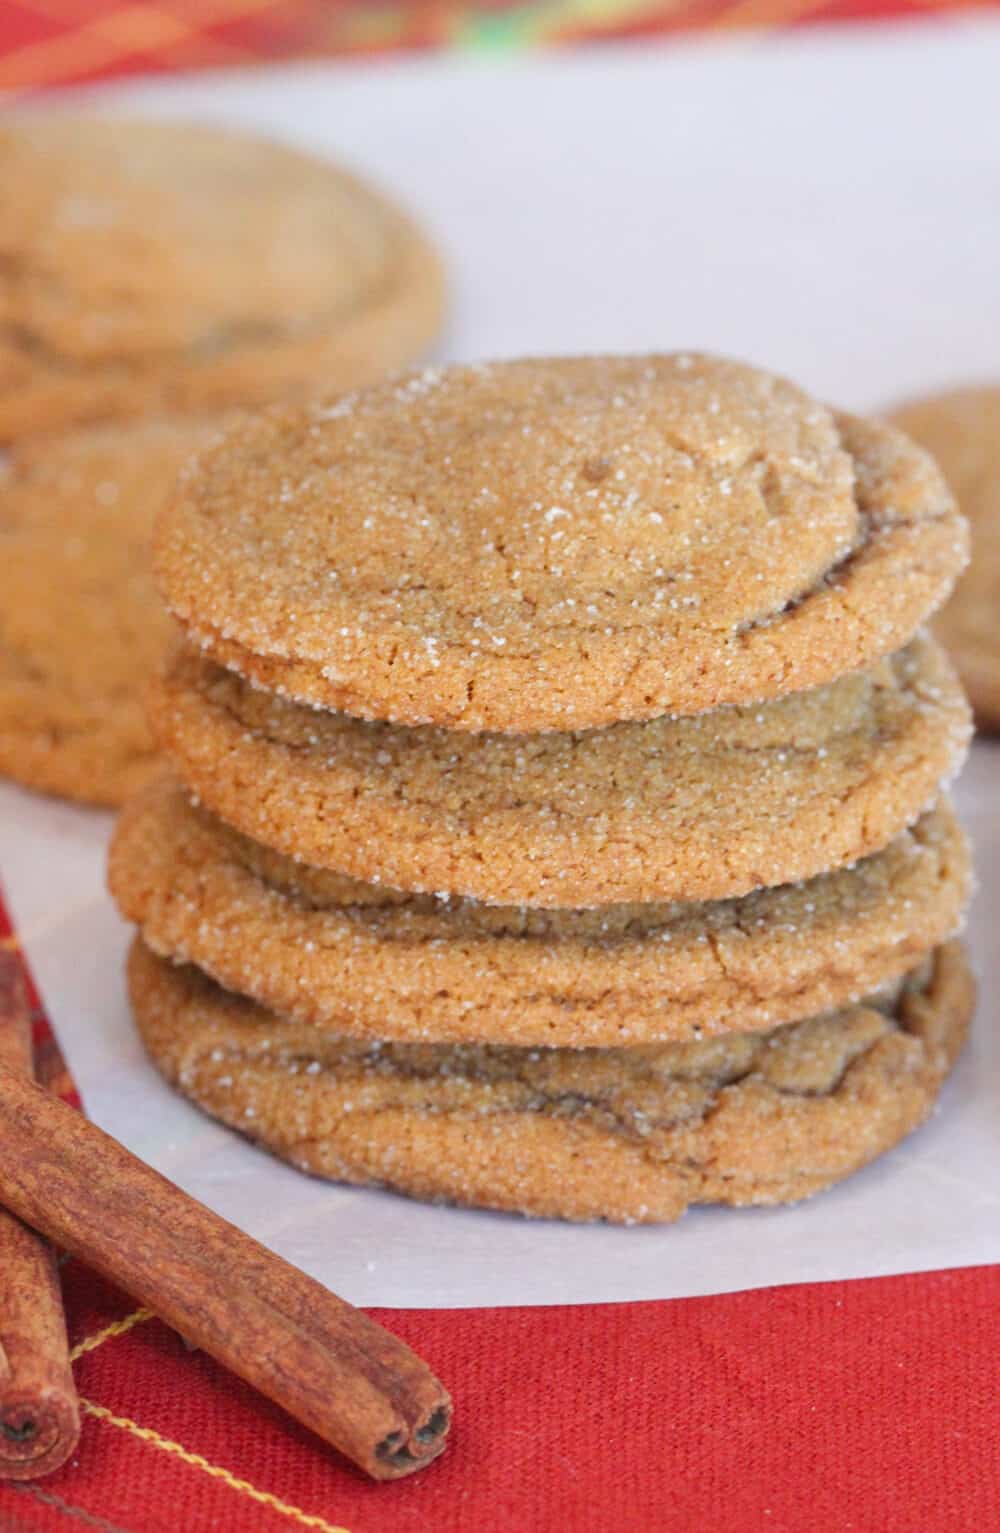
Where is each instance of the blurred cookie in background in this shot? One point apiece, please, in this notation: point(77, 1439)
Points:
point(150, 274)
point(169, 267)
point(81, 624)
point(962, 430)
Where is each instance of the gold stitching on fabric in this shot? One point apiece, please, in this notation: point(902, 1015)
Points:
point(242, 1487)
point(116, 1328)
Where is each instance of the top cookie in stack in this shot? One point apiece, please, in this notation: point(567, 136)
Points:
point(560, 545)
point(567, 724)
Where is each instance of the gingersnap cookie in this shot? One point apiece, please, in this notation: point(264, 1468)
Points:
point(624, 1134)
point(155, 266)
point(699, 808)
point(364, 961)
point(962, 430)
point(81, 625)
point(558, 544)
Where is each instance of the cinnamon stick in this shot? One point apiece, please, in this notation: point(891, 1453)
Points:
point(330, 1366)
point(39, 1413)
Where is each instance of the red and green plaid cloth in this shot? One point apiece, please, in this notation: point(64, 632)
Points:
point(856, 1407)
point(57, 42)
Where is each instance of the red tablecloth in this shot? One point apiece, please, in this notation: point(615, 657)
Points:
point(867, 1407)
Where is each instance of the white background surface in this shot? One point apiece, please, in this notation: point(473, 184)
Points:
point(828, 206)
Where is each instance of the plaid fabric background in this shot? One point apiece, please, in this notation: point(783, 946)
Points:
point(53, 42)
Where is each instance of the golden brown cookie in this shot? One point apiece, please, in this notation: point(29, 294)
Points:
point(362, 961)
point(694, 809)
point(167, 266)
point(631, 1135)
point(962, 430)
point(558, 544)
point(81, 625)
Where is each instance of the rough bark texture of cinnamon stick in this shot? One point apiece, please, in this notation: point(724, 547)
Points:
point(325, 1362)
point(39, 1413)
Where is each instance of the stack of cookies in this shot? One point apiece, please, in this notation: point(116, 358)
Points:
point(126, 327)
point(558, 821)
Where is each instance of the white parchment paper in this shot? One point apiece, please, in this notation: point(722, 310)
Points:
point(827, 206)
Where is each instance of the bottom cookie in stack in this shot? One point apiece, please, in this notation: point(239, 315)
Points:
point(626, 1134)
